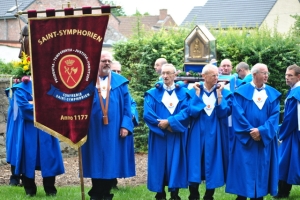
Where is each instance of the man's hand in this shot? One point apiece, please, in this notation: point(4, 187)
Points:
point(255, 134)
point(123, 132)
point(197, 88)
point(219, 90)
point(163, 123)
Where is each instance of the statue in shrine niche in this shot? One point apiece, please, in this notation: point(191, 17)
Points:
point(196, 49)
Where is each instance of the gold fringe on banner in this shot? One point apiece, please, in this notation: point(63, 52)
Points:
point(61, 137)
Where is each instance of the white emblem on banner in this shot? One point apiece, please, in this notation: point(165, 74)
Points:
point(259, 98)
point(210, 102)
point(170, 101)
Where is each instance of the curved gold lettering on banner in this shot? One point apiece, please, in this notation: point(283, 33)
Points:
point(67, 32)
point(70, 70)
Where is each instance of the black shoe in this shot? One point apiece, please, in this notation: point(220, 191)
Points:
point(30, 195)
point(51, 194)
point(95, 198)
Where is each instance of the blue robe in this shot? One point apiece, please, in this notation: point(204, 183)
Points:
point(166, 150)
point(205, 138)
point(247, 79)
point(106, 155)
point(253, 165)
point(11, 131)
point(289, 163)
point(36, 149)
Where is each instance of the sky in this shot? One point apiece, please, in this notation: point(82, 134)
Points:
point(177, 10)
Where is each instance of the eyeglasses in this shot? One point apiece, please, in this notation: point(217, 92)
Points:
point(117, 71)
point(105, 61)
point(167, 73)
point(265, 73)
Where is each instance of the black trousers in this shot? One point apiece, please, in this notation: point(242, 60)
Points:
point(48, 183)
point(284, 188)
point(245, 198)
point(14, 178)
point(101, 188)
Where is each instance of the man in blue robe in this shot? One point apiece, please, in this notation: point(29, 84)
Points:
point(167, 135)
point(253, 162)
point(209, 107)
point(158, 65)
point(11, 138)
point(289, 132)
point(37, 150)
point(244, 74)
point(117, 68)
point(105, 154)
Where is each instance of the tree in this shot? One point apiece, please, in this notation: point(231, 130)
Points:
point(115, 11)
point(296, 28)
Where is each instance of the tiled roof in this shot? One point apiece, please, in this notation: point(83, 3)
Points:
point(230, 13)
point(5, 6)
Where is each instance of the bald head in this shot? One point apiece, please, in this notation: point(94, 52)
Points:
point(226, 67)
point(116, 67)
point(159, 63)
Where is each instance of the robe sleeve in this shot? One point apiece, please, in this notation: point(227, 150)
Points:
point(127, 117)
point(290, 122)
point(240, 124)
point(150, 116)
point(269, 129)
point(25, 107)
point(134, 112)
point(196, 105)
point(223, 110)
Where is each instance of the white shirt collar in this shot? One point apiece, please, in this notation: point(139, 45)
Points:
point(207, 90)
point(172, 87)
point(262, 88)
point(296, 85)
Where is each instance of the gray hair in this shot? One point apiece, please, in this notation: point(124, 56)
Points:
point(169, 65)
point(256, 67)
point(242, 65)
point(295, 68)
point(207, 68)
point(107, 53)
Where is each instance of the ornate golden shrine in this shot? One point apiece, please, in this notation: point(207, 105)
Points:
point(199, 49)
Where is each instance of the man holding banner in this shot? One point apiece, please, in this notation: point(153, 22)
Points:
point(104, 155)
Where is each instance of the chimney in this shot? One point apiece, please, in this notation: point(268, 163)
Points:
point(163, 13)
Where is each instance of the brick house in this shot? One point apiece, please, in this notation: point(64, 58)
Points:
point(119, 28)
point(11, 25)
point(153, 22)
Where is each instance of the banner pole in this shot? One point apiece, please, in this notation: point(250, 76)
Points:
point(81, 174)
point(62, 10)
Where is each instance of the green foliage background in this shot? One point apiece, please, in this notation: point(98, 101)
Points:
point(263, 45)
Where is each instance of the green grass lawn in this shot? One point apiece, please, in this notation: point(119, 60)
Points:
point(124, 193)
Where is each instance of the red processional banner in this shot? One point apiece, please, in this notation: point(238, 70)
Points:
point(65, 54)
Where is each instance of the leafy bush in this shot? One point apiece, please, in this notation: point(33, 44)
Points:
point(6, 68)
